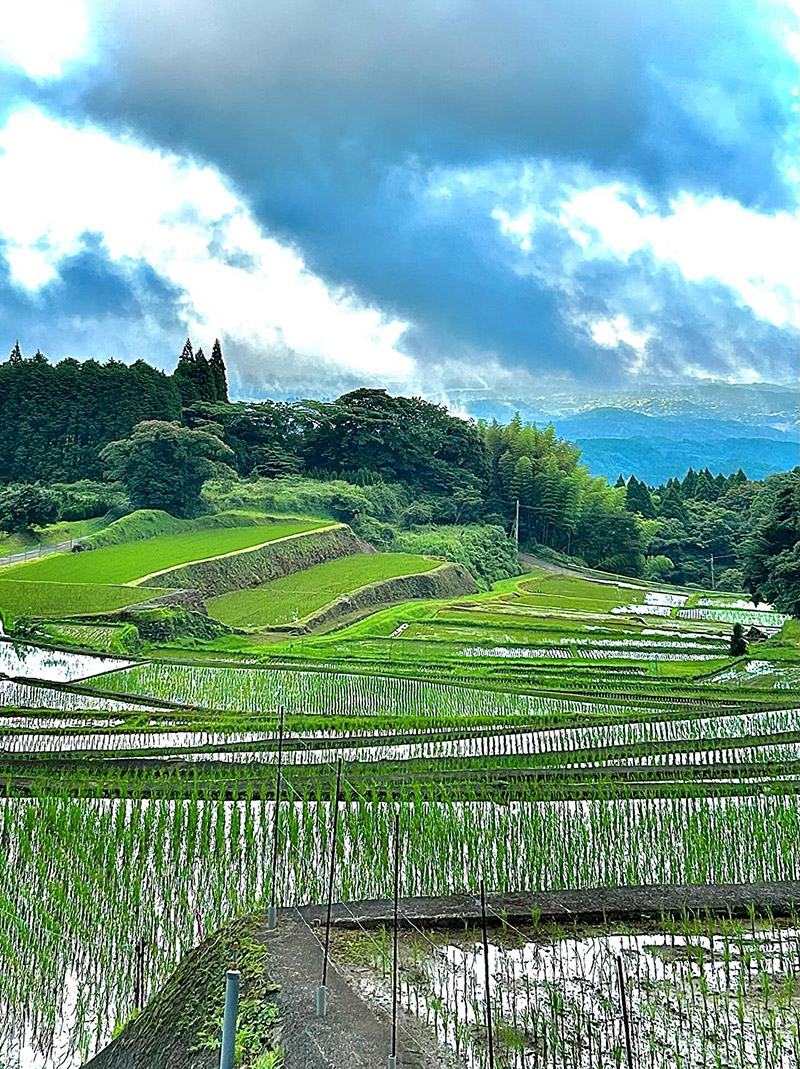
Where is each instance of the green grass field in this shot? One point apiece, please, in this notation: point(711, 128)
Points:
point(128, 562)
point(295, 596)
point(53, 600)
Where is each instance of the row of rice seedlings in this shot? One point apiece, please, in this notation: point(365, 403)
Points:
point(644, 734)
point(591, 653)
point(337, 693)
point(345, 694)
point(99, 874)
point(15, 695)
point(756, 617)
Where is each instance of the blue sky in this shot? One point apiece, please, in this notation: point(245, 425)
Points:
point(426, 196)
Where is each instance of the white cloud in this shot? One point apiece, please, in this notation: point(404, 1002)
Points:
point(183, 220)
point(709, 239)
point(42, 37)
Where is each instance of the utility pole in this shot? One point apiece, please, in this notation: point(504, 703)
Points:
point(713, 583)
point(516, 529)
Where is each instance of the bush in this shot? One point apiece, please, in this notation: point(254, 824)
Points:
point(126, 639)
point(86, 499)
point(658, 569)
point(738, 646)
point(27, 505)
point(487, 552)
point(731, 579)
point(300, 496)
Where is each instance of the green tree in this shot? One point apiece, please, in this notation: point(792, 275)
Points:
point(184, 375)
point(25, 506)
point(164, 465)
point(203, 376)
point(638, 499)
point(771, 554)
point(218, 372)
point(658, 569)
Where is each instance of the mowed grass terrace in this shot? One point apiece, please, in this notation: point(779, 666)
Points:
point(53, 600)
point(294, 596)
point(134, 560)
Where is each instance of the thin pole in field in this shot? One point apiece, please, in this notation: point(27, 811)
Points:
point(486, 977)
point(272, 916)
point(138, 975)
point(621, 975)
point(393, 1055)
point(322, 1001)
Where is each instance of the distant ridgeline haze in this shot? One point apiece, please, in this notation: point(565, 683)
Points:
point(720, 426)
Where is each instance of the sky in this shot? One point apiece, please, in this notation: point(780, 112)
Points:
point(433, 196)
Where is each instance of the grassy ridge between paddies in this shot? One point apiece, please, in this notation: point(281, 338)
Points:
point(295, 596)
point(131, 561)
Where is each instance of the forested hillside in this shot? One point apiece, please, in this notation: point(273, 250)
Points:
point(402, 471)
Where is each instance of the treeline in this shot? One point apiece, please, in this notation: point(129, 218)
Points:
point(699, 524)
point(391, 465)
point(54, 420)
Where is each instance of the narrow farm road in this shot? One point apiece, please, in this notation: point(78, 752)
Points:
point(40, 551)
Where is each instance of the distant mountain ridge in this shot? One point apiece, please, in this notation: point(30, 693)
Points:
point(721, 426)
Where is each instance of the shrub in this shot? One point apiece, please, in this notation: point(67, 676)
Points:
point(487, 552)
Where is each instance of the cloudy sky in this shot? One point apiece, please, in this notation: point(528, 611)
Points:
point(427, 195)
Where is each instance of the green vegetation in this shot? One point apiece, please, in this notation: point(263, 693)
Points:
point(149, 523)
point(57, 599)
point(132, 561)
point(593, 730)
point(25, 506)
point(295, 596)
point(164, 465)
point(484, 550)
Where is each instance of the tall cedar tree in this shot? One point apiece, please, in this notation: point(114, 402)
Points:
point(218, 372)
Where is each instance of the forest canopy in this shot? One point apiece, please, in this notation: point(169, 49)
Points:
point(400, 469)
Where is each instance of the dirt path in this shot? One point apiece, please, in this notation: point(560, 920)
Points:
point(353, 1033)
point(40, 551)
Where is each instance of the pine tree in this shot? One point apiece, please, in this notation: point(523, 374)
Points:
point(638, 499)
point(15, 356)
point(704, 488)
point(203, 377)
point(672, 506)
point(185, 375)
point(218, 372)
point(620, 481)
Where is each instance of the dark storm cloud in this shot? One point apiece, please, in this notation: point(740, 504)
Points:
point(312, 87)
point(331, 118)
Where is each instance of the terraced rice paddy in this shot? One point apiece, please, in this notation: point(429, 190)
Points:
point(130, 561)
point(22, 597)
point(294, 596)
point(696, 994)
point(526, 746)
